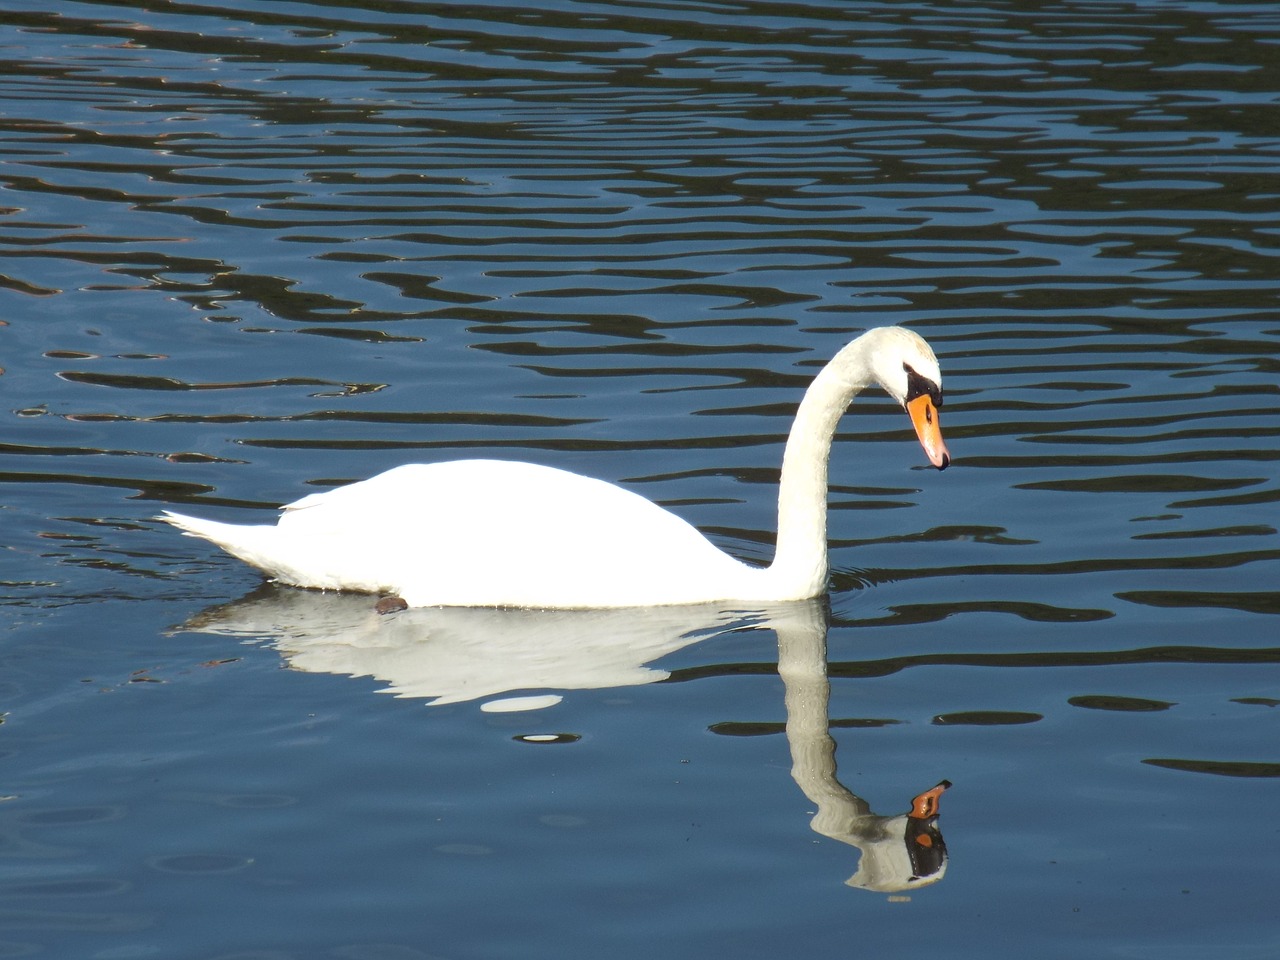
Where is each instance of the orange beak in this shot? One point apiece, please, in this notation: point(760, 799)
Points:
point(926, 805)
point(924, 416)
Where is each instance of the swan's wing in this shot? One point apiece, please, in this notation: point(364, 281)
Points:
point(478, 498)
point(496, 532)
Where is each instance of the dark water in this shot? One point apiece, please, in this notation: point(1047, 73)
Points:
point(258, 248)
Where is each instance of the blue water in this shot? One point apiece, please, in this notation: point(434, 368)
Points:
point(258, 249)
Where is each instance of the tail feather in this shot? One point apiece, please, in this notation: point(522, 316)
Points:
point(304, 561)
point(247, 542)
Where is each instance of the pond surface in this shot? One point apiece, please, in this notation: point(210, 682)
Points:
point(258, 249)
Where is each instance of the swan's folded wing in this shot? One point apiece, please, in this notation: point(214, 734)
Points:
point(497, 532)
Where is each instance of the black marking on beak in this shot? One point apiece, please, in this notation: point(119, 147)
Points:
point(918, 386)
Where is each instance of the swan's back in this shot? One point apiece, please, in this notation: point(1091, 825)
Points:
point(488, 533)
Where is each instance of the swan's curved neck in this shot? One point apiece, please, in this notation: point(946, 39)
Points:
point(799, 567)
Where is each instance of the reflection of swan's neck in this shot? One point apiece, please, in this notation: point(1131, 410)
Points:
point(898, 852)
point(802, 665)
point(800, 564)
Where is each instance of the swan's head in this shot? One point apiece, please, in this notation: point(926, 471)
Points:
point(905, 366)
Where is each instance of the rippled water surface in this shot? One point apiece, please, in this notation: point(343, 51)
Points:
point(257, 249)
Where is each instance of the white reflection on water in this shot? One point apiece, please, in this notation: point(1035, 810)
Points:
point(899, 852)
point(457, 654)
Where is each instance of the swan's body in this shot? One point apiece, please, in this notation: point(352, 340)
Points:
point(499, 533)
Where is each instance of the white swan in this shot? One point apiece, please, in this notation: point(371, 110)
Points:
point(487, 533)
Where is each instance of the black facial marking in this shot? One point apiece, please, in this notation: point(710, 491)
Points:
point(918, 386)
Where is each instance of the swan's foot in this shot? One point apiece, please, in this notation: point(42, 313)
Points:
point(387, 605)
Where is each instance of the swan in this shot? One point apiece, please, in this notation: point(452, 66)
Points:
point(495, 533)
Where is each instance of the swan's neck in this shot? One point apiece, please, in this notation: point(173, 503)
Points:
point(799, 567)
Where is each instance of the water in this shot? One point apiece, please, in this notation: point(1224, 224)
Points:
point(255, 249)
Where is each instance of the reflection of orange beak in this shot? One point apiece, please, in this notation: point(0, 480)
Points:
point(926, 805)
point(924, 416)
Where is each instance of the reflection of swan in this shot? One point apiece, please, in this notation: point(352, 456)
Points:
point(455, 654)
point(452, 655)
point(492, 533)
point(899, 852)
